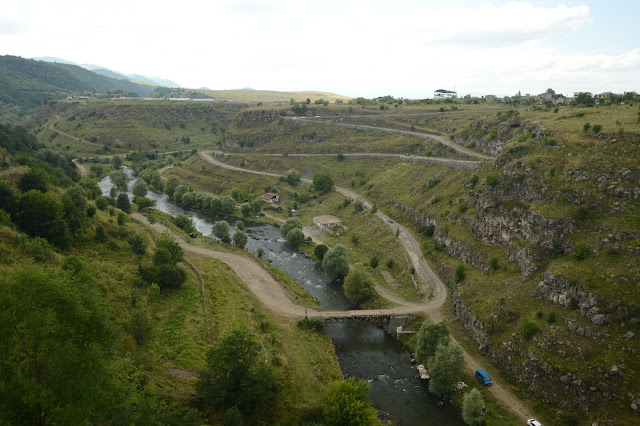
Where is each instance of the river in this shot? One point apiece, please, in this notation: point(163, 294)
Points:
point(364, 350)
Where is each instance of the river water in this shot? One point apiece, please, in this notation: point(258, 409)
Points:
point(364, 350)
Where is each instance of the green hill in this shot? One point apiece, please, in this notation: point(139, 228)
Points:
point(28, 83)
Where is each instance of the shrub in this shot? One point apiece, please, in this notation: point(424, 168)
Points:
point(551, 317)
point(586, 127)
point(459, 274)
point(390, 263)
point(582, 213)
point(493, 264)
point(373, 262)
point(358, 286)
point(529, 329)
point(320, 251)
point(581, 251)
point(358, 205)
point(597, 128)
point(491, 179)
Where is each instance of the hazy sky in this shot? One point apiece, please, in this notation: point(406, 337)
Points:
point(357, 48)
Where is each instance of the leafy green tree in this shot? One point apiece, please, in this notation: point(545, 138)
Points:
point(179, 192)
point(119, 178)
point(184, 222)
point(35, 179)
point(116, 162)
point(102, 203)
point(347, 403)
point(430, 335)
point(586, 127)
point(581, 251)
point(240, 239)
point(137, 243)
point(236, 375)
point(320, 251)
point(55, 336)
point(8, 197)
point(295, 237)
point(144, 202)
point(40, 215)
point(170, 186)
point(322, 182)
point(445, 368)
point(293, 178)
point(245, 209)
point(336, 262)
point(358, 286)
point(472, 405)
point(240, 225)
point(459, 274)
point(597, 128)
point(90, 186)
point(390, 263)
point(139, 188)
point(221, 230)
point(123, 203)
point(100, 234)
point(291, 223)
point(374, 261)
point(358, 206)
point(166, 240)
point(227, 204)
point(493, 264)
point(582, 213)
point(140, 327)
point(122, 218)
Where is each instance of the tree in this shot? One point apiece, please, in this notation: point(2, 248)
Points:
point(41, 215)
point(123, 203)
point(245, 209)
point(291, 223)
point(35, 179)
point(445, 368)
point(144, 202)
point(184, 222)
point(358, 205)
point(221, 230)
point(116, 162)
point(137, 243)
point(322, 182)
point(472, 408)
point(119, 178)
point(179, 192)
point(170, 186)
point(240, 239)
point(8, 198)
point(293, 178)
point(336, 262)
point(347, 403)
point(430, 335)
point(295, 237)
point(139, 188)
point(358, 286)
point(235, 375)
point(55, 335)
point(586, 127)
point(166, 240)
point(459, 274)
point(320, 251)
point(102, 203)
point(597, 128)
point(227, 204)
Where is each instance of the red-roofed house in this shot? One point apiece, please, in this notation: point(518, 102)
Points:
point(270, 197)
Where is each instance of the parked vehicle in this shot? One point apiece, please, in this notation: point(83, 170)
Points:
point(483, 377)
point(532, 422)
point(390, 221)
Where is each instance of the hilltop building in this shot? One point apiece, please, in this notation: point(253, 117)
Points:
point(442, 93)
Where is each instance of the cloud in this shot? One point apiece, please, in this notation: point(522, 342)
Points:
point(508, 24)
point(10, 26)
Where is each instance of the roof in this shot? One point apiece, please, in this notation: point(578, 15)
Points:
point(325, 219)
point(268, 195)
point(444, 91)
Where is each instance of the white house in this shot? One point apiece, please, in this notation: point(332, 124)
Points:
point(270, 197)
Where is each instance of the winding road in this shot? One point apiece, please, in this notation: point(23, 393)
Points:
point(439, 138)
point(269, 291)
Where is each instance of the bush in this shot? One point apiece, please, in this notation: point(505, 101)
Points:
point(373, 262)
point(493, 264)
point(184, 222)
point(240, 239)
point(122, 202)
point(100, 234)
point(491, 179)
point(358, 286)
point(310, 324)
point(390, 263)
point(295, 237)
point(581, 251)
point(336, 262)
point(320, 251)
point(582, 213)
point(551, 317)
point(426, 230)
point(529, 329)
point(358, 205)
point(459, 274)
point(586, 127)
point(597, 128)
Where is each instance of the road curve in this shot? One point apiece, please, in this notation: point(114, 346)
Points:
point(431, 306)
point(439, 138)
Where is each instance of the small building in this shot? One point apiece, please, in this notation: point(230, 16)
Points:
point(330, 224)
point(546, 96)
point(295, 212)
point(442, 93)
point(489, 98)
point(275, 207)
point(270, 197)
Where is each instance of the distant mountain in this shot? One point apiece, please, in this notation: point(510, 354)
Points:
point(247, 88)
point(27, 83)
point(102, 70)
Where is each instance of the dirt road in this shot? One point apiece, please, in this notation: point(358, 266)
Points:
point(431, 306)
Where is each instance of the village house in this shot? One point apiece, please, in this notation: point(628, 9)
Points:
point(442, 93)
point(489, 98)
point(329, 223)
point(270, 197)
point(275, 207)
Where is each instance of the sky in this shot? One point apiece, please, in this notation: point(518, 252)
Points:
point(369, 48)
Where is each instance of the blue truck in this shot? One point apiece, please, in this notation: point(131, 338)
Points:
point(483, 377)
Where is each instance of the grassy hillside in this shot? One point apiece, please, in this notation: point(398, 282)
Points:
point(28, 83)
point(546, 236)
point(265, 96)
point(107, 127)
